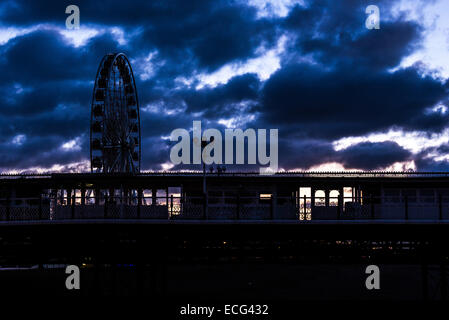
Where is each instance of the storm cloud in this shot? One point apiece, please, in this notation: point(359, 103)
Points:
point(315, 73)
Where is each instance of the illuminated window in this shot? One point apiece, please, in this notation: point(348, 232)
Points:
point(320, 198)
point(305, 203)
point(333, 198)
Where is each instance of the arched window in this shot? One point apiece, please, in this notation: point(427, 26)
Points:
point(333, 198)
point(320, 198)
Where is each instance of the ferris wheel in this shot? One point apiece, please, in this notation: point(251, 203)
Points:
point(115, 144)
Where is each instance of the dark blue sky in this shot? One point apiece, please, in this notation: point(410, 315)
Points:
point(342, 96)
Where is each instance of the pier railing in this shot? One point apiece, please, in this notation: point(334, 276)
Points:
point(226, 208)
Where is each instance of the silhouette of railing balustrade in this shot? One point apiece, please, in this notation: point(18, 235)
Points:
point(237, 208)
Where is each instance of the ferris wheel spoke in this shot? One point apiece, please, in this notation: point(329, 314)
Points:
point(128, 134)
point(117, 159)
point(130, 160)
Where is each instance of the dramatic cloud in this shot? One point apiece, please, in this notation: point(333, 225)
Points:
point(308, 68)
point(342, 102)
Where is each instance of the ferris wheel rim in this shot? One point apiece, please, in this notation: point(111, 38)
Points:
point(133, 164)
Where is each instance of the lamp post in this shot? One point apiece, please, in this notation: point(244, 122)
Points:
point(204, 143)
